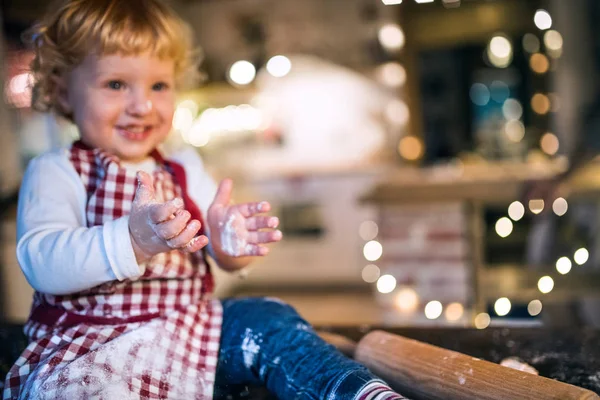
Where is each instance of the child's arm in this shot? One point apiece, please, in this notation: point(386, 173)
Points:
point(239, 232)
point(56, 251)
point(60, 255)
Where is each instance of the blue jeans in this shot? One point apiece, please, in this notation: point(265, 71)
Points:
point(264, 342)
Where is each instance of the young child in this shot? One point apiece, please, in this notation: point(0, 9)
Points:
point(113, 236)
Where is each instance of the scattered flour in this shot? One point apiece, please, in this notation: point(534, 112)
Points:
point(233, 236)
point(250, 348)
point(519, 365)
point(461, 378)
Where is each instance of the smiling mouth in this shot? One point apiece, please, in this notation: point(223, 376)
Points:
point(134, 133)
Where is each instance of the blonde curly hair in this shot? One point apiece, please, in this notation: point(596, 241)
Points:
point(72, 29)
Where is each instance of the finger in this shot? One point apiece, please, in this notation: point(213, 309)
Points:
point(158, 190)
point(144, 192)
point(255, 250)
point(196, 244)
point(264, 237)
point(251, 209)
point(223, 196)
point(163, 212)
point(173, 227)
point(261, 222)
point(186, 235)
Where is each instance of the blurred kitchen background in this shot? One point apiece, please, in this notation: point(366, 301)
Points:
point(393, 138)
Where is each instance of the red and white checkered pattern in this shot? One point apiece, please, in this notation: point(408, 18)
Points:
point(153, 338)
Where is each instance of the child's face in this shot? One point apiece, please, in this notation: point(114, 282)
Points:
point(122, 104)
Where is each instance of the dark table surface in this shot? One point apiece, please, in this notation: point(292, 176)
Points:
point(569, 355)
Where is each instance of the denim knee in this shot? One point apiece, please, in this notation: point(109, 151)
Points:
point(268, 311)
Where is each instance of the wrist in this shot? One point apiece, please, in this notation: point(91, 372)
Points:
point(228, 262)
point(140, 255)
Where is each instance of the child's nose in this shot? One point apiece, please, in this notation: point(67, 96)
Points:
point(140, 105)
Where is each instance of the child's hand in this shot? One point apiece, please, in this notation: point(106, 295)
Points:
point(237, 230)
point(159, 227)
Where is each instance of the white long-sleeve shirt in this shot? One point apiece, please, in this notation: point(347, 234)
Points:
point(56, 250)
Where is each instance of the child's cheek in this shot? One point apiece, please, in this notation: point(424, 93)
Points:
point(165, 106)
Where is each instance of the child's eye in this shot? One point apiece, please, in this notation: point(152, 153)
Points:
point(116, 85)
point(160, 86)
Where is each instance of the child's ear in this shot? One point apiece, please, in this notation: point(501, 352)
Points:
point(61, 94)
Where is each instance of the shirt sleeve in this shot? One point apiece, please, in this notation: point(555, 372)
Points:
point(57, 252)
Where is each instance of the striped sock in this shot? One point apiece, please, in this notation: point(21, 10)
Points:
point(377, 390)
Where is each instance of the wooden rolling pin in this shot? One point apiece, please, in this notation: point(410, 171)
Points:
point(420, 370)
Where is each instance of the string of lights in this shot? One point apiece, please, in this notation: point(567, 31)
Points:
point(498, 54)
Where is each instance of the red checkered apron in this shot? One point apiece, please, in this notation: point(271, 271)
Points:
point(153, 338)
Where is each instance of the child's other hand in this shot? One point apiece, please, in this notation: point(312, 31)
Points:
point(238, 230)
point(159, 227)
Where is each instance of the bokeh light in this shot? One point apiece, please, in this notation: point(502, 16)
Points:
point(542, 19)
point(515, 131)
point(368, 230)
point(183, 119)
point(397, 113)
point(500, 47)
point(386, 284)
point(512, 109)
point(549, 144)
point(504, 227)
point(482, 321)
point(560, 206)
point(370, 273)
point(433, 309)
point(545, 284)
point(410, 148)
point(373, 250)
point(536, 206)
point(581, 256)
point(534, 307)
point(406, 300)
point(563, 265)
point(454, 311)
point(242, 72)
point(391, 37)
point(539, 63)
point(516, 210)
point(391, 74)
point(553, 40)
point(480, 94)
point(190, 105)
point(540, 103)
point(279, 66)
point(500, 52)
point(531, 43)
point(502, 306)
